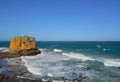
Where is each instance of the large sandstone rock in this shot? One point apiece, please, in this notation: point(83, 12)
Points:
point(23, 46)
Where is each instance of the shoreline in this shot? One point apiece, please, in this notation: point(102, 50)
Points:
point(29, 52)
point(15, 71)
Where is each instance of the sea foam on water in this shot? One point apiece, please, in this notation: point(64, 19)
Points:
point(57, 50)
point(51, 64)
point(112, 62)
point(78, 56)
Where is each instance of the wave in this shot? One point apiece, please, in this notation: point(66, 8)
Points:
point(98, 46)
point(4, 49)
point(42, 49)
point(52, 65)
point(106, 49)
point(31, 67)
point(44, 63)
point(57, 50)
point(112, 62)
point(78, 56)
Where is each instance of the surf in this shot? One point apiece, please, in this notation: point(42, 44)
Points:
point(78, 56)
point(112, 62)
point(57, 50)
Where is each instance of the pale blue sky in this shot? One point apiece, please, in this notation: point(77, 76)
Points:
point(61, 20)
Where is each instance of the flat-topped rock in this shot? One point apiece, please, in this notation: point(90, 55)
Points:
point(21, 46)
point(22, 43)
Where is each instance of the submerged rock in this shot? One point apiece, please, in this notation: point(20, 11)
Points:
point(5, 78)
point(118, 67)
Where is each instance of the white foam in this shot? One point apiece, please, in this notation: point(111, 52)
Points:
point(4, 49)
point(34, 70)
point(112, 62)
point(50, 75)
point(54, 65)
point(104, 49)
point(44, 80)
point(98, 46)
point(42, 64)
point(57, 81)
point(42, 49)
point(78, 56)
point(57, 50)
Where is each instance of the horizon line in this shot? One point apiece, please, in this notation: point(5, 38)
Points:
point(73, 40)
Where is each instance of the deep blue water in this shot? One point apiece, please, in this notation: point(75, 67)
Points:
point(101, 48)
point(105, 48)
point(109, 48)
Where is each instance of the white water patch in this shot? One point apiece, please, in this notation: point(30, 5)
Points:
point(45, 64)
point(106, 49)
point(57, 50)
point(98, 46)
point(1, 49)
point(4, 49)
point(78, 56)
point(112, 62)
point(54, 65)
point(42, 49)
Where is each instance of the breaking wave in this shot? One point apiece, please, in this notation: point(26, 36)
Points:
point(78, 56)
point(112, 62)
point(57, 50)
point(98, 46)
point(45, 64)
point(53, 65)
point(4, 49)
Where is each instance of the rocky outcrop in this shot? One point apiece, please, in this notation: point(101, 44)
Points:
point(21, 46)
point(22, 43)
point(5, 78)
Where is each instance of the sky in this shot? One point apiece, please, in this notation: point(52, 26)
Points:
point(60, 20)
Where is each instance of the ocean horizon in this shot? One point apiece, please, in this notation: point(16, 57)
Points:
point(60, 40)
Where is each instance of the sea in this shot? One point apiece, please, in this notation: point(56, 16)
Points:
point(92, 61)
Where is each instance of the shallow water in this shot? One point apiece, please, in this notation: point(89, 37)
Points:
point(53, 66)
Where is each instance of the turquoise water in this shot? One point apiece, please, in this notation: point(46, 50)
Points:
point(102, 48)
point(97, 61)
point(90, 48)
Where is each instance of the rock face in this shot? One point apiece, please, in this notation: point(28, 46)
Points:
point(23, 46)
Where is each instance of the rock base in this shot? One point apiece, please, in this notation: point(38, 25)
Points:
point(28, 52)
point(4, 78)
